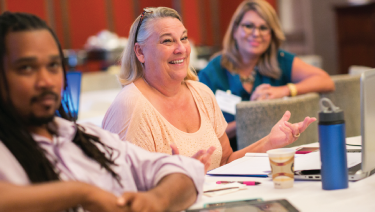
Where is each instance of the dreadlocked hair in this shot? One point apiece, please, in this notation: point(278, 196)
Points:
point(13, 131)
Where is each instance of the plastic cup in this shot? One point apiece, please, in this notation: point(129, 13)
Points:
point(282, 167)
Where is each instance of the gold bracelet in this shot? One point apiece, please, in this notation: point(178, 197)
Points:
point(293, 89)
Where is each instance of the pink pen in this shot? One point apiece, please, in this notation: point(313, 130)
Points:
point(242, 182)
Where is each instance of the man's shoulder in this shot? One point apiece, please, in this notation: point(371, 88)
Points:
point(66, 128)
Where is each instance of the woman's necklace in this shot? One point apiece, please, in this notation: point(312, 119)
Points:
point(249, 79)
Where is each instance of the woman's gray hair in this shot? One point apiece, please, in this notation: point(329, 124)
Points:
point(268, 64)
point(131, 67)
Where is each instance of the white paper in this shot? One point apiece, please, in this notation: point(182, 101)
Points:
point(245, 166)
point(227, 102)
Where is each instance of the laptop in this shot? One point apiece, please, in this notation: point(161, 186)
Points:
point(72, 93)
point(367, 167)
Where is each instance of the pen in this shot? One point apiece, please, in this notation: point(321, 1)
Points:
point(220, 189)
point(303, 152)
point(242, 182)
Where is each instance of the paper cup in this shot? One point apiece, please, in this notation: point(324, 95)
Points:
point(282, 167)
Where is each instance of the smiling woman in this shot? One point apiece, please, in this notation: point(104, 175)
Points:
point(252, 65)
point(162, 108)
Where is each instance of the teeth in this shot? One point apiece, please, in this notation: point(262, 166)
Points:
point(177, 61)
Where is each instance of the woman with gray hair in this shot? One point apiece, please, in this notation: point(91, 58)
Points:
point(162, 108)
point(252, 66)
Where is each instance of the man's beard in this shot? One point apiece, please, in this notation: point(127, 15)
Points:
point(34, 120)
point(39, 121)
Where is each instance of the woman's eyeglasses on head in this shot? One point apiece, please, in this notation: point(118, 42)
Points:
point(145, 10)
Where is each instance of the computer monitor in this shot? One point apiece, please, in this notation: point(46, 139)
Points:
point(368, 120)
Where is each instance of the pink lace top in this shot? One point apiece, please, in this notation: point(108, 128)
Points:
point(135, 119)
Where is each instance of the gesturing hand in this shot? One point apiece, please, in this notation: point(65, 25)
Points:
point(266, 91)
point(284, 133)
point(204, 156)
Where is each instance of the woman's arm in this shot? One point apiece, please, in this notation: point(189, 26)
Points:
point(55, 196)
point(308, 78)
point(229, 155)
point(281, 134)
point(231, 129)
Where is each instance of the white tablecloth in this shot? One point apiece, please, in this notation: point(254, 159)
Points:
point(305, 195)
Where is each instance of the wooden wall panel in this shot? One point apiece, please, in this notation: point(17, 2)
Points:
point(190, 17)
point(75, 20)
point(206, 20)
point(58, 22)
point(85, 19)
point(36, 7)
point(226, 11)
point(153, 3)
point(123, 16)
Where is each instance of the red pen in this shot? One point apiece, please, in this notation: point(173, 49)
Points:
point(242, 182)
point(303, 152)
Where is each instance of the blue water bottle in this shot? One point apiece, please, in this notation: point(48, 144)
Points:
point(331, 128)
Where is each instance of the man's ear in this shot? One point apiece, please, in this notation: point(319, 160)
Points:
point(139, 53)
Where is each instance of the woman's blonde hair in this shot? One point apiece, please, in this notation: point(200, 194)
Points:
point(131, 67)
point(231, 57)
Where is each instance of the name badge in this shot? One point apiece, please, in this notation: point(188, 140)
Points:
point(227, 101)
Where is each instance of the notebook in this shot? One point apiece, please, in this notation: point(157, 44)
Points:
point(367, 167)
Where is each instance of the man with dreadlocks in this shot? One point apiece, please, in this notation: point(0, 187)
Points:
point(48, 163)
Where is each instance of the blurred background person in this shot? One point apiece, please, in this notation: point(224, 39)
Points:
point(252, 65)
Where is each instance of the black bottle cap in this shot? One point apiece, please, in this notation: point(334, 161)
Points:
point(330, 114)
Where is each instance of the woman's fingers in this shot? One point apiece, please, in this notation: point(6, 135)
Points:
point(298, 128)
point(261, 92)
point(199, 154)
point(293, 127)
point(175, 150)
point(288, 133)
point(206, 158)
point(305, 123)
point(301, 126)
point(263, 86)
point(254, 96)
point(211, 150)
point(208, 154)
point(285, 117)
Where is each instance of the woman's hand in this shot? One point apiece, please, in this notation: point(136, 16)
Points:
point(266, 91)
point(285, 133)
point(204, 156)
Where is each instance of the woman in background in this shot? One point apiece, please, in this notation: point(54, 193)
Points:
point(253, 67)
